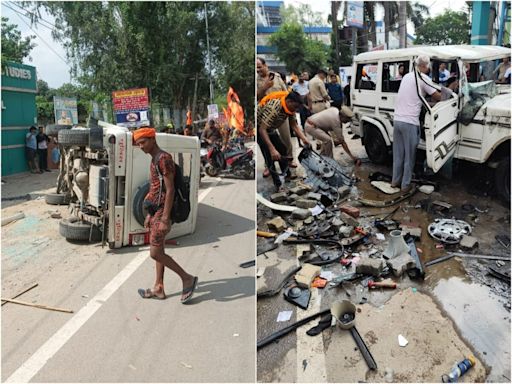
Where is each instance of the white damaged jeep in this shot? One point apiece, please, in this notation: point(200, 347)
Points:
point(473, 125)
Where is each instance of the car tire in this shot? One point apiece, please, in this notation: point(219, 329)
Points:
point(138, 209)
point(78, 230)
point(56, 199)
point(502, 179)
point(375, 145)
point(70, 137)
point(54, 129)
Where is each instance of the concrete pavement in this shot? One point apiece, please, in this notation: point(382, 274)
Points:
point(128, 339)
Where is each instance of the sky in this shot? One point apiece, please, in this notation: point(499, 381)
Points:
point(55, 71)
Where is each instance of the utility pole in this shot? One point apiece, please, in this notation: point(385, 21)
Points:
point(194, 100)
point(209, 55)
point(402, 28)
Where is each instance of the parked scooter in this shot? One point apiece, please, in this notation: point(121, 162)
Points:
point(235, 161)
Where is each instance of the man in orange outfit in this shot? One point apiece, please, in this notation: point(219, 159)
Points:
point(158, 203)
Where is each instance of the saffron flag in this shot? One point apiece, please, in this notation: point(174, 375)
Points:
point(189, 117)
point(235, 111)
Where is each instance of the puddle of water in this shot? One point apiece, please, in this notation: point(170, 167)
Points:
point(481, 320)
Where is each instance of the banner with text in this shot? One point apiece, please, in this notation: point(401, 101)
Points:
point(131, 107)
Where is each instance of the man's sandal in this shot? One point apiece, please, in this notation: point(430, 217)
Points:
point(189, 290)
point(148, 293)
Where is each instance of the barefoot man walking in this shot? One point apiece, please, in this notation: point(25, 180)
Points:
point(158, 203)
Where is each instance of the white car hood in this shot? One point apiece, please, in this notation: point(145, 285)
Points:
point(498, 106)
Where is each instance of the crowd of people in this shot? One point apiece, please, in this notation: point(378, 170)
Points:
point(318, 101)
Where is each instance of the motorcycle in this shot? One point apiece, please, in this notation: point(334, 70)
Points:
point(203, 155)
point(235, 161)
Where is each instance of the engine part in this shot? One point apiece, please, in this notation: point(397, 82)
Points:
point(323, 173)
point(396, 245)
point(298, 296)
point(272, 292)
point(419, 271)
point(98, 187)
point(449, 231)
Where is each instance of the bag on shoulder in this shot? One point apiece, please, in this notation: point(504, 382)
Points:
point(181, 207)
point(181, 204)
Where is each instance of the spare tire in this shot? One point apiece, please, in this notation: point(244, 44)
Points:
point(70, 137)
point(56, 199)
point(53, 129)
point(78, 230)
point(138, 203)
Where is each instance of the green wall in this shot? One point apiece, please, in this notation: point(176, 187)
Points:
point(19, 112)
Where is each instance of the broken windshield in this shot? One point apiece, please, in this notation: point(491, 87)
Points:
point(477, 95)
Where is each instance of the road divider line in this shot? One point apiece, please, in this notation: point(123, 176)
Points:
point(38, 360)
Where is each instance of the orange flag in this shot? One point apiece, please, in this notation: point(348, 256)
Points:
point(189, 117)
point(236, 112)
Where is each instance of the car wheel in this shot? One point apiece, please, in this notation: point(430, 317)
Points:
point(70, 137)
point(78, 230)
point(138, 203)
point(502, 179)
point(56, 199)
point(375, 145)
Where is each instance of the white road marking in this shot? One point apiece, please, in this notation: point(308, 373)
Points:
point(39, 359)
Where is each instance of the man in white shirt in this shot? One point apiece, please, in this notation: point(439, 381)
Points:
point(406, 125)
point(444, 74)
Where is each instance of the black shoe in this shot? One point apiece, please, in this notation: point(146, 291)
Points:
point(48, 170)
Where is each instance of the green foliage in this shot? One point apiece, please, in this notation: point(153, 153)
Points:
point(448, 28)
point(159, 45)
point(14, 47)
point(302, 14)
point(296, 50)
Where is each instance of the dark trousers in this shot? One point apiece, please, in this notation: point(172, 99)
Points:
point(43, 159)
point(271, 165)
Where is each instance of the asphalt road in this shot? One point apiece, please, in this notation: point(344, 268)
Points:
point(114, 335)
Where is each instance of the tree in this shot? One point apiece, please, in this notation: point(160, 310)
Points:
point(14, 47)
point(158, 45)
point(296, 50)
point(449, 28)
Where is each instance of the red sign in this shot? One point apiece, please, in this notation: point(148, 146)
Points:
point(131, 100)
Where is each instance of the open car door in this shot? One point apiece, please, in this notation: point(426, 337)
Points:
point(441, 130)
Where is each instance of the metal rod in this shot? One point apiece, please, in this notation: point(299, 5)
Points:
point(363, 348)
point(488, 257)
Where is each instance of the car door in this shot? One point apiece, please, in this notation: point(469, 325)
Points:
point(441, 130)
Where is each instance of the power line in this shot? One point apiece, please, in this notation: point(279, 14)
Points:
point(19, 13)
point(38, 20)
point(48, 45)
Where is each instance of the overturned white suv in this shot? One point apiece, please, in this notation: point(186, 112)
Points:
point(473, 125)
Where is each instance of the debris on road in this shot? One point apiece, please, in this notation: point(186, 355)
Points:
point(21, 293)
point(13, 218)
point(41, 306)
point(402, 341)
point(284, 316)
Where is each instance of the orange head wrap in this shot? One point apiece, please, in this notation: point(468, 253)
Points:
point(143, 132)
point(277, 95)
